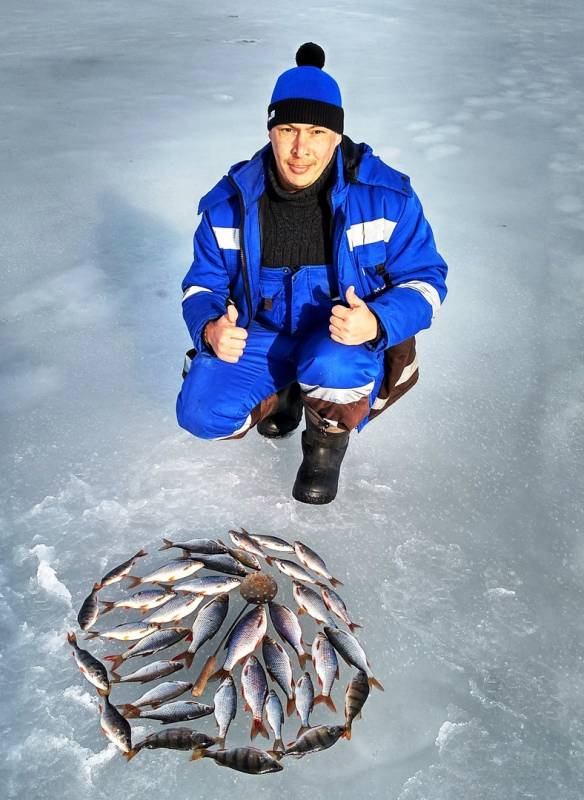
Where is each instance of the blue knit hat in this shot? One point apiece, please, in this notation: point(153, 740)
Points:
point(306, 94)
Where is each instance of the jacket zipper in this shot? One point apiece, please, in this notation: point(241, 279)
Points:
point(242, 250)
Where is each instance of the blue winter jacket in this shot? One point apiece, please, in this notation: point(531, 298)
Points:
point(381, 244)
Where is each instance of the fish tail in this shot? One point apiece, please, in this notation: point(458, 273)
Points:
point(270, 560)
point(167, 544)
point(327, 700)
point(353, 625)
point(117, 661)
point(71, 638)
point(203, 678)
point(188, 659)
point(277, 750)
point(91, 634)
point(220, 741)
point(106, 605)
point(346, 734)
point(133, 581)
point(141, 553)
point(336, 582)
point(374, 682)
point(290, 706)
point(131, 753)
point(180, 656)
point(303, 658)
point(114, 677)
point(129, 711)
point(302, 729)
point(257, 726)
point(198, 752)
point(220, 675)
point(103, 693)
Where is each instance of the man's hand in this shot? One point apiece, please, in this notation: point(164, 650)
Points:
point(226, 340)
point(353, 325)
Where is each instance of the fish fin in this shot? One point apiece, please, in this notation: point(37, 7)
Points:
point(141, 553)
point(107, 605)
point(290, 706)
point(114, 677)
point(374, 682)
point(101, 692)
point(300, 611)
point(167, 544)
point(302, 729)
point(201, 682)
point(129, 711)
point(188, 659)
point(327, 700)
point(246, 706)
point(337, 673)
point(91, 635)
point(257, 726)
point(336, 582)
point(180, 656)
point(220, 675)
point(346, 734)
point(322, 585)
point(277, 750)
point(130, 754)
point(354, 625)
point(303, 658)
point(117, 661)
point(133, 581)
point(270, 560)
point(71, 638)
point(359, 715)
point(198, 752)
point(220, 740)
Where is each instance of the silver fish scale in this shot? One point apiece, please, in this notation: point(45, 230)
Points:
point(158, 640)
point(325, 661)
point(272, 543)
point(162, 692)
point(209, 584)
point(336, 604)
point(245, 541)
point(348, 647)
point(312, 602)
point(225, 702)
point(158, 669)
point(311, 559)
point(304, 697)
point(180, 568)
point(224, 563)
point(275, 713)
point(293, 570)
point(205, 546)
point(278, 664)
point(209, 619)
point(147, 598)
point(245, 636)
point(115, 726)
point(254, 684)
point(175, 609)
point(181, 710)
point(286, 624)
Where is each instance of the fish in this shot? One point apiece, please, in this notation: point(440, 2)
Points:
point(292, 570)
point(172, 739)
point(312, 603)
point(225, 702)
point(275, 715)
point(254, 689)
point(304, 701)
point(115, 726)
point(209, 584)
point(335, 603)
point(153, 643)
point(351, 651)
point(209, 547)
point(89, 611)
point(143, 601)
point(287, 626)
point(117, 573)
point(355, 696)
point(207, 623)
point(314, 562)
point(169, 573)
point(243, 640)
point(158, 669)
point(179, 711)
point(126, 632)
point(279, 668)
point(91, 669)
point(243, 539)
point(224, 562)
point(326, 665)
point(176, 609)
point(272, 543)
point(156, 697)
point(321, 737)
point(245, 558)
point(243, 759)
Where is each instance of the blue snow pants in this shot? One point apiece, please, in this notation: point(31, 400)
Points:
point(289, 340)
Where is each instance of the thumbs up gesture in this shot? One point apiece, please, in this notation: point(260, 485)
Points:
point(355, 324)
point(224, 337)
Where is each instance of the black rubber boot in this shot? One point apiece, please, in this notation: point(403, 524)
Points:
point(286, 417)
point(318, 476)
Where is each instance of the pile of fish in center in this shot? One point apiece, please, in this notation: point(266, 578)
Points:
point(171, 596)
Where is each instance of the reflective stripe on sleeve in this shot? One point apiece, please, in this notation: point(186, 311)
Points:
point(227, 238)
point(427, 291)
point(193, 290)
point(340, 396)
point(374, 230)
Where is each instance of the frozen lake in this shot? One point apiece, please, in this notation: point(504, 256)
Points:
point(458, 528)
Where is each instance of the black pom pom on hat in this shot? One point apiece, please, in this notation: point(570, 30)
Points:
point(310, 54)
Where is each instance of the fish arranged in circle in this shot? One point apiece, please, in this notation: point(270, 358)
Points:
point(177, 605)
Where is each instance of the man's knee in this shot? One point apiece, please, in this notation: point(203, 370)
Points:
point(336, 365)
point(207, 421)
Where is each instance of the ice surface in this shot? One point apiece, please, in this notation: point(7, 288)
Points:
point(458, 529)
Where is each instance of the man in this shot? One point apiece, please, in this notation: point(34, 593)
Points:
point(313, 270)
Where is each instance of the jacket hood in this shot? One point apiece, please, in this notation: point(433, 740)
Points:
point(359, 165)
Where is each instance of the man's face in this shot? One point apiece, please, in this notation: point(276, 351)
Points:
point(302, 152)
